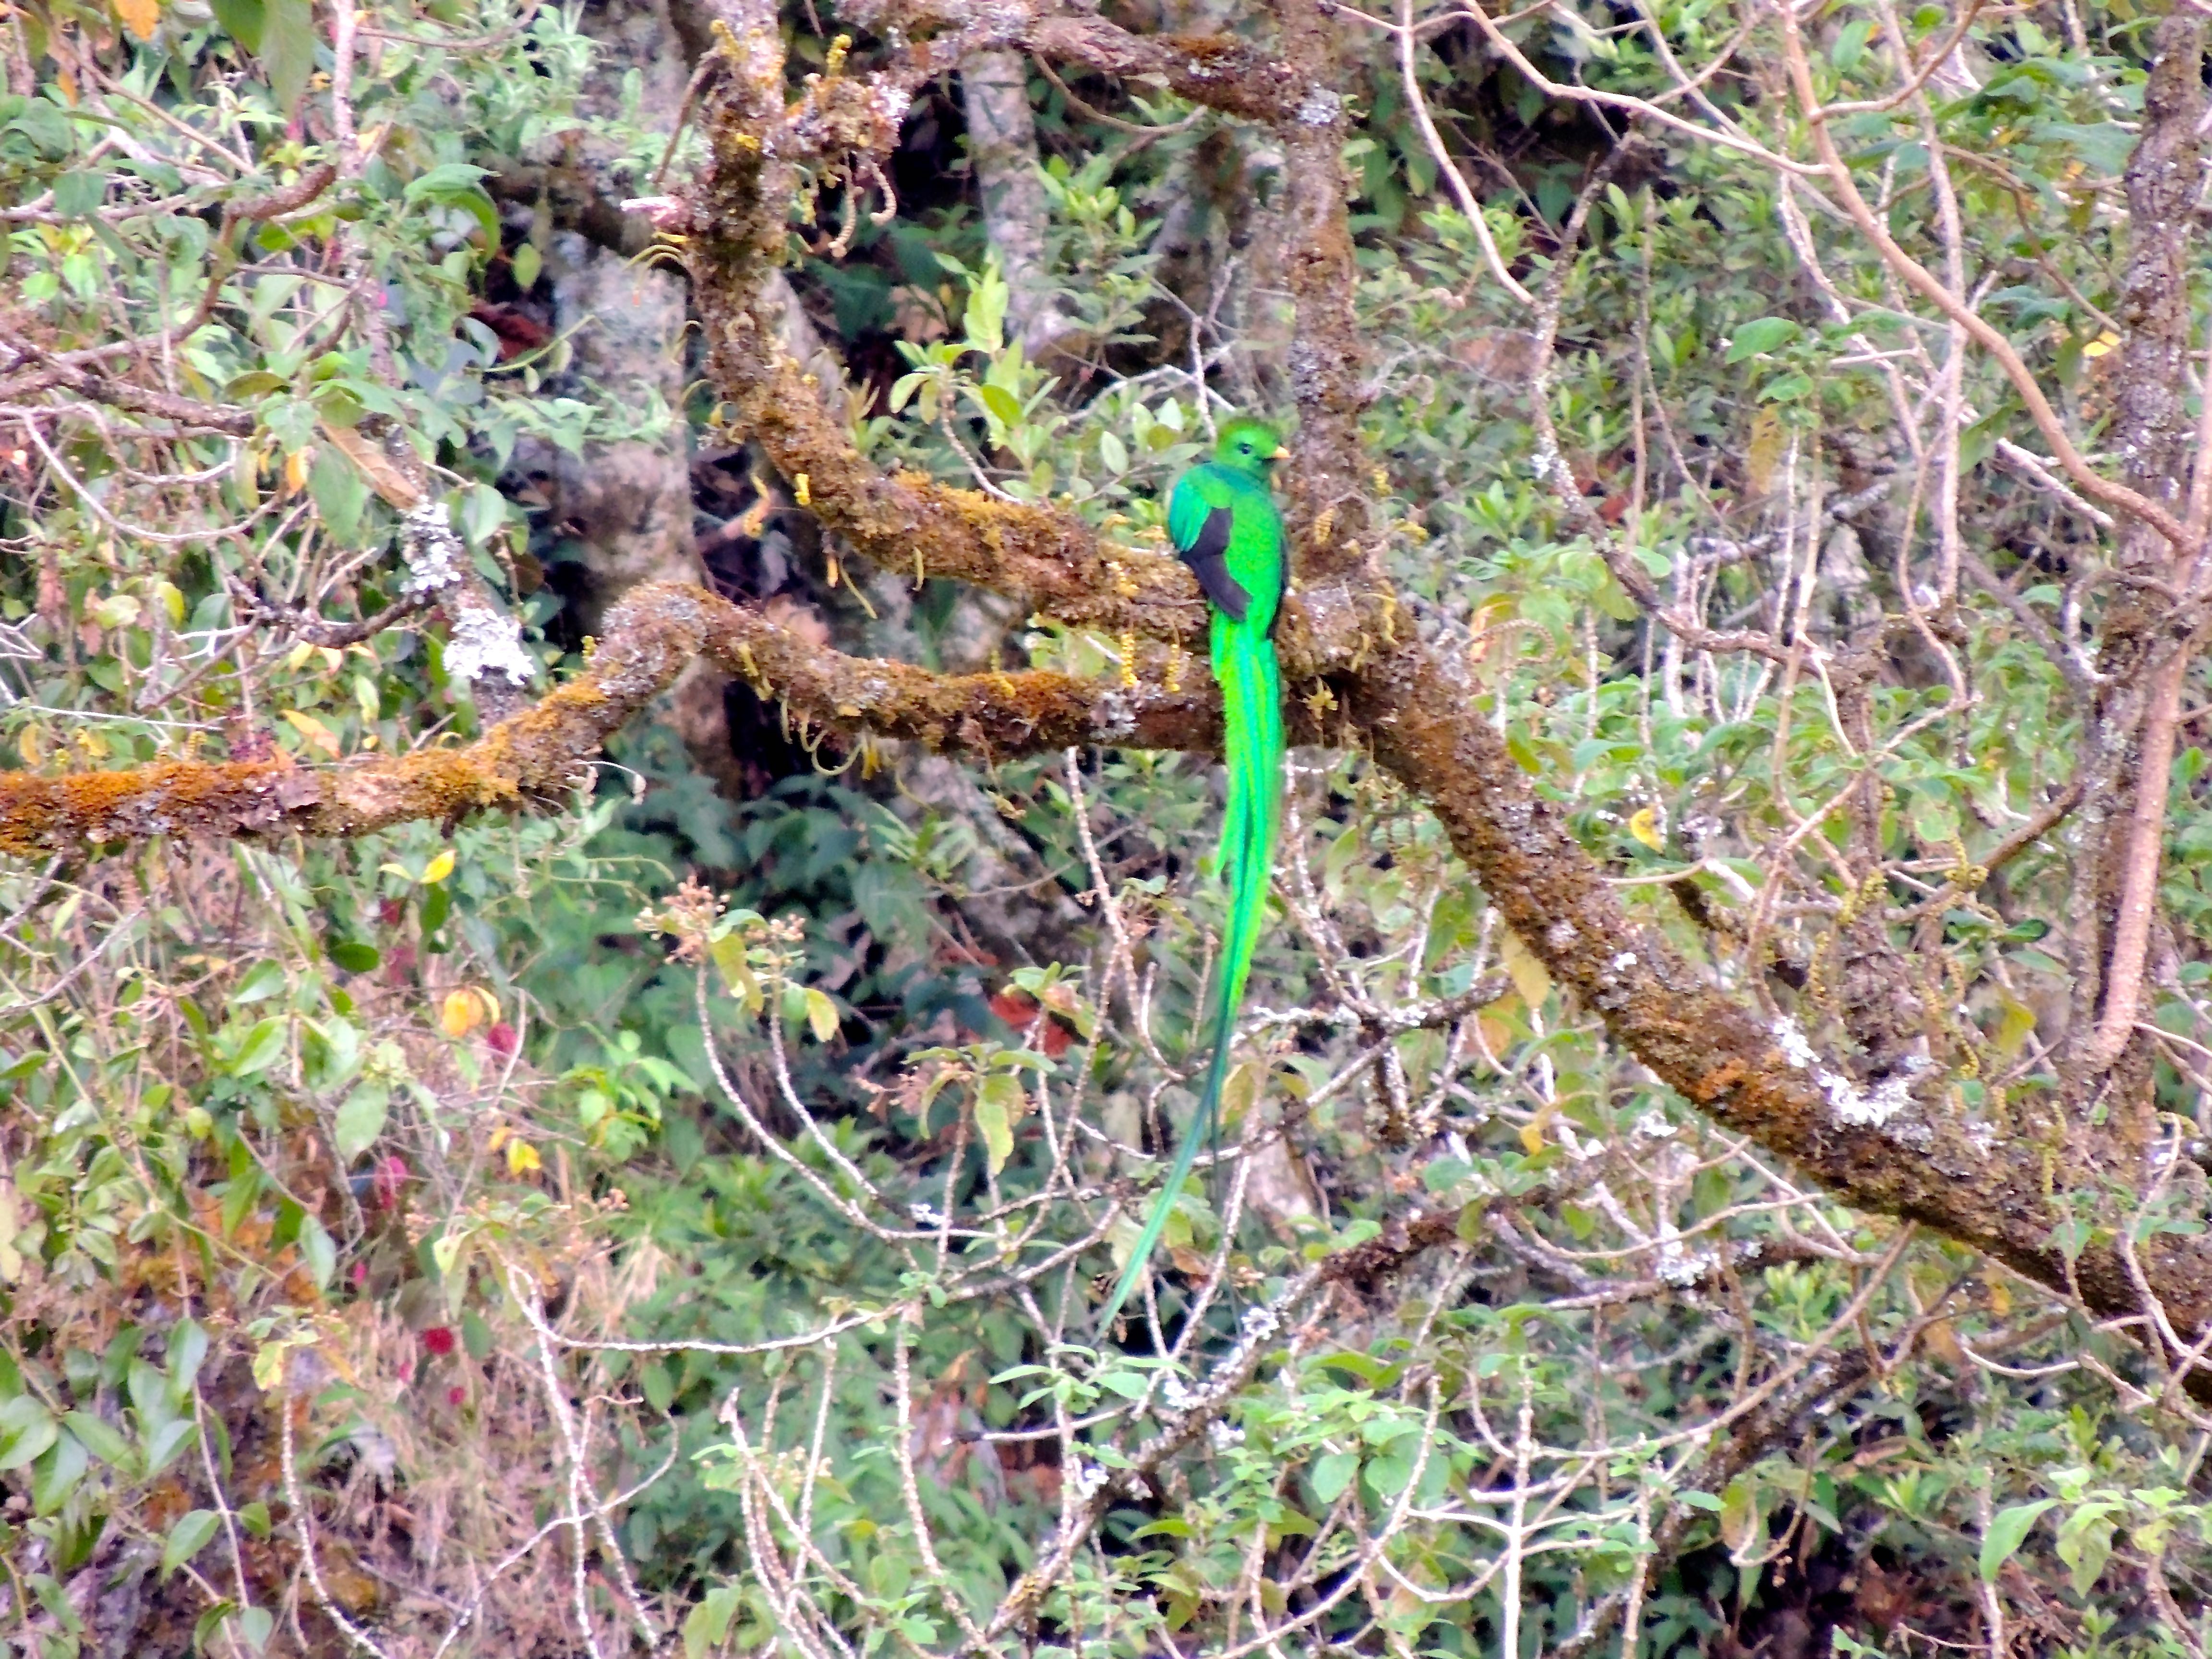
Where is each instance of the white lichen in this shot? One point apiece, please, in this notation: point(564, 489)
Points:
point(1867, 1109)
point(1795, 1047)
point(430, 549)
point(1320, 107)
point(482, 642)
point(1681, 1268)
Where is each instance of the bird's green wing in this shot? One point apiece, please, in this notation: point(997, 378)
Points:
point(1202, 523)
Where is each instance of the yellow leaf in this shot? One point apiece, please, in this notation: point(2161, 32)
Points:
point(461, 1012)
point(1765, 451)
point(729, 954)
point(1532, 1132)
point(1530, 976)
point(999, 1104)
point(438, 868)
point(2103, 343)
point(1240, 1093)
point(295, 470)
point(296, 658)
point(318, 735)
point(1644, 826)
point(141, 17)
point(821, 1015)
point(1740, 1515)
point(521, 1157)
point(383, 474)
point(499, 1135)
point(2012, 1030)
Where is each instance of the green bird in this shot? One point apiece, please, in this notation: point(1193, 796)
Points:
point(1221, 517)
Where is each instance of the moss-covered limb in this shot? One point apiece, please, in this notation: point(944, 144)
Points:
point(1877, 1145)
point(1330, 471)
point(1221, 72)
point(1050, 559)
point(536, 754)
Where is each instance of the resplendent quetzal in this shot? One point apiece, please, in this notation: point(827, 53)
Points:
point(1221, 517)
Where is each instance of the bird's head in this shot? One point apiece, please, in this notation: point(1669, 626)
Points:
point(1247, 445)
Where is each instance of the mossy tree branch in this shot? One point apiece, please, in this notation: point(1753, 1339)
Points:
point(540, 754)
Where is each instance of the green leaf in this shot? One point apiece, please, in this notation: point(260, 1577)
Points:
point(1332, 1473)
point(78, 195)
point(2008, 1530)
point(2085, 1544)
point(354, 957)
point(1112, 451)
point(261, 1047)
point(242, 21)
point(707, 1624)
point(340, 492)
point(1762, 335)
point(361, 1118)
point(26, 1429)
point(188, 1347)
point(265, 979)
point(454, 184)
point(319, 1251)
point(1000, 402)
point(210, 1623)
point(1850, 43)
point(188, 1538)
point(164, 1444)
point(287, 48)
point(987, 310)
point(102, 1439)
point(55, 1475)
point(256, 1625)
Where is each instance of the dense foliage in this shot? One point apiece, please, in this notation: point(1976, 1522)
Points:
point(672, 1218)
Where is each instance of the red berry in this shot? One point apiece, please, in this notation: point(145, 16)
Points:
point(502, 1040)
point(439, 1340)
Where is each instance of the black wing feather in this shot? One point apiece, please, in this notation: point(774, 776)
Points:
point(1208, 559)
